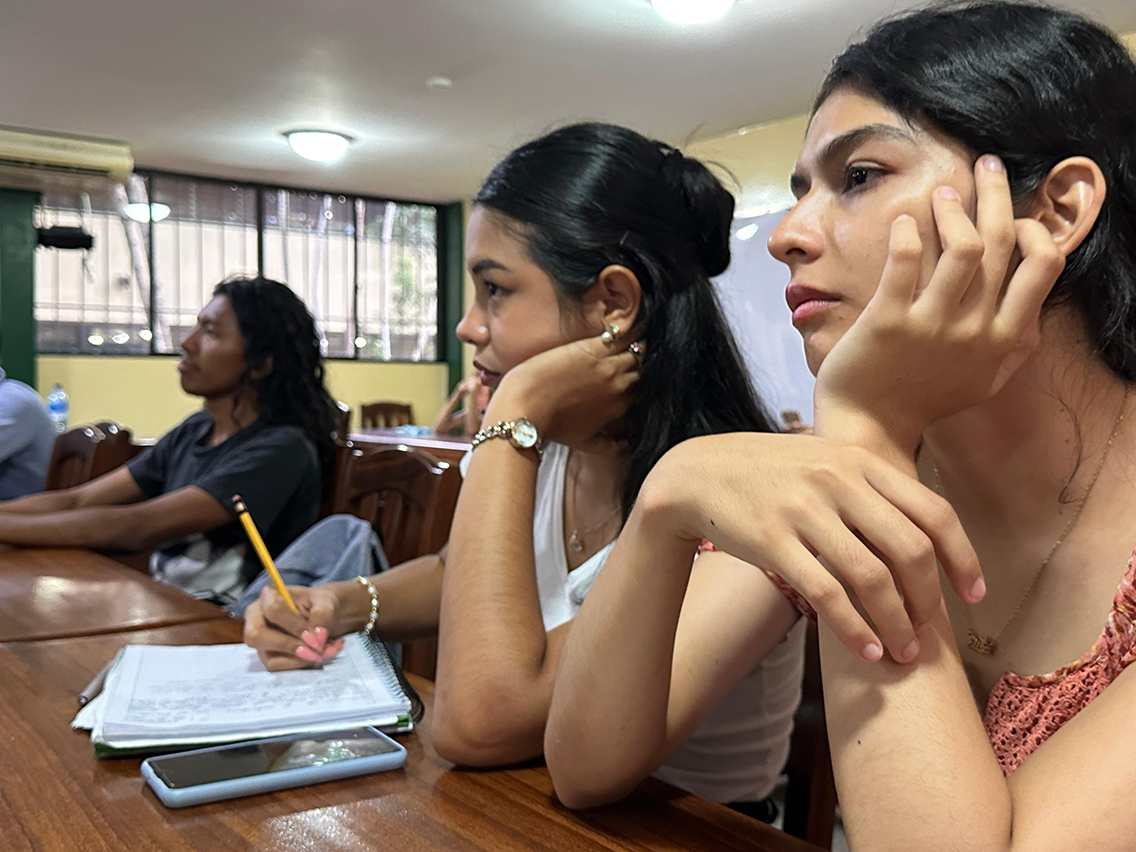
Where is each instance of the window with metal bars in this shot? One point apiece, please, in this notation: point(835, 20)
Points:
point(367, 268)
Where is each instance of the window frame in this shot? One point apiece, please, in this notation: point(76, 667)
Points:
point(441, 345)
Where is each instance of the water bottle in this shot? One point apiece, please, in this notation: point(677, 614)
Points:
point(58, 408)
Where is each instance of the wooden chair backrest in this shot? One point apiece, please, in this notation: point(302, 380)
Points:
point(115, 450)
point(386, 415)
point(73, 458)
point(407, 495)
point(810, 798)
point(342, 421)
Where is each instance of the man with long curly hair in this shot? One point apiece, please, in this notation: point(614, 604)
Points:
point(265, 432)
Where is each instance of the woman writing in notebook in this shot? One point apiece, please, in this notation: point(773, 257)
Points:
point(585, 246)
point(1011, 729)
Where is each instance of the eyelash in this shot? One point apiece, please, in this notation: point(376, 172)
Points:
point(871, 174)
point(492, 289)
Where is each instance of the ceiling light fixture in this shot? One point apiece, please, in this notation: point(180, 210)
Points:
point(142, 212)
point(692, 11)
point(322, 146)
point(747, 232)
point(439, 83)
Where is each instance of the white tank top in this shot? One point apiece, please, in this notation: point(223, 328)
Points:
point(738, 751)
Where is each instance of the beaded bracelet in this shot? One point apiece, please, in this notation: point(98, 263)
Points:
point(369, 586)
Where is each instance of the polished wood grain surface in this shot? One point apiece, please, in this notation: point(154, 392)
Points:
point(54, 794)
point(447, 448)
point(47, 594)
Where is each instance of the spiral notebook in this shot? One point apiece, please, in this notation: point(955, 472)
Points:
point(163, 698)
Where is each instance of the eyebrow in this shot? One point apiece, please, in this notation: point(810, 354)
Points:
point(837, 148)
point(486, 265)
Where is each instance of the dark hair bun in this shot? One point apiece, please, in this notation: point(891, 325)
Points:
point(710, 206)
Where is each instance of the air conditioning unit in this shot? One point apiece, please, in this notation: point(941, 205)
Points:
point(51, 161)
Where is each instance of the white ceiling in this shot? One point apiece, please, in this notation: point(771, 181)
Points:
point(207, 86)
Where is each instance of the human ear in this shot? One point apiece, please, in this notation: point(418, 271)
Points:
point(262, 369)
point(615, 298)
point(1069, 201)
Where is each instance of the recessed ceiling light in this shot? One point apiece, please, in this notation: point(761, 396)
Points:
point(96, 340)
point(692, 11)
point(121, 338)
point(746, 232)
point(142, 212)
point(322, 146)
point(439, 83)
point(146, 334)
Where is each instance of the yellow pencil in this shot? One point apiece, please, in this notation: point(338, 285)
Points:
point(262, 551)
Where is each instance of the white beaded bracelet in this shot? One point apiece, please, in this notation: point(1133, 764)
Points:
point(369, 586)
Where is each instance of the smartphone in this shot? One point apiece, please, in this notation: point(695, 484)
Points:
point(245, 769)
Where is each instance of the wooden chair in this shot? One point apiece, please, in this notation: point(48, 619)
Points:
point(342, 421)
point(337, 494)
point(810, 799)
point(73, 458)
point(386, 415)
point(409, 497)
point(115, 450)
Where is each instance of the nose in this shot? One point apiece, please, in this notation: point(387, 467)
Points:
point(799, 236)
point(472, 328)
point(190, 341)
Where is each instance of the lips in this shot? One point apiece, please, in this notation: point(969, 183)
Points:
point(796, 294)
point(489, 378)
point(807, 302)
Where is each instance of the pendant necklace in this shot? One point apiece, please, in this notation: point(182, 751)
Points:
point(987, 645)
point(576, 539)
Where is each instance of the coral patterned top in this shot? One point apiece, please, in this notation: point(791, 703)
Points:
point(1023, 712)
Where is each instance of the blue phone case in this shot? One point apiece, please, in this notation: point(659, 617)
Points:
point(267, 782)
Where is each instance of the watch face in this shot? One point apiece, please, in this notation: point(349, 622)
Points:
point(524, 433)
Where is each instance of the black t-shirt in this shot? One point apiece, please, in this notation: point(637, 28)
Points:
point(274, 468)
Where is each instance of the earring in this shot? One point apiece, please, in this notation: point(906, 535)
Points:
point(611, 334)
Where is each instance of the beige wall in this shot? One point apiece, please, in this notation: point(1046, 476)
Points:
point(143, 393)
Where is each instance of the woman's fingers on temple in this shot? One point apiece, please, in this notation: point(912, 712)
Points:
point(963, 249)
point(995, 223)
point(1041, 265)
point(904, 263)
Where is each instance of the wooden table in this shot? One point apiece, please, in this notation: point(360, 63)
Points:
point(48, 594)
point(54, 794)
point(447, 448)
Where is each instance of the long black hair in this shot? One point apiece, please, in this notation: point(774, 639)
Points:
point(275, 324)
point(1033, 85)
point(591, 195)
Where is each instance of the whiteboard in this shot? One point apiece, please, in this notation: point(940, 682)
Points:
point(752, 293)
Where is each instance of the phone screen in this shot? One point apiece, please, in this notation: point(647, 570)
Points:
point(242, 761)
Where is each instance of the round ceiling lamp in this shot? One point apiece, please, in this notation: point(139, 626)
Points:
point(322, 146)
point(142, 212)
point(692, 11)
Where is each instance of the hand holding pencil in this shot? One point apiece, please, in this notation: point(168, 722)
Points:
point(282, 653)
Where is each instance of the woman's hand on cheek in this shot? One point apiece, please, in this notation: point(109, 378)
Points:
point(570, 392)
point(919, 353)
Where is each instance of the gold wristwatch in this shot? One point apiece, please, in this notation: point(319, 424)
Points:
point(521, 433)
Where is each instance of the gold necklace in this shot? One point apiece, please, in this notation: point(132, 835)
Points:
point(988, 645)
point(576, 539)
